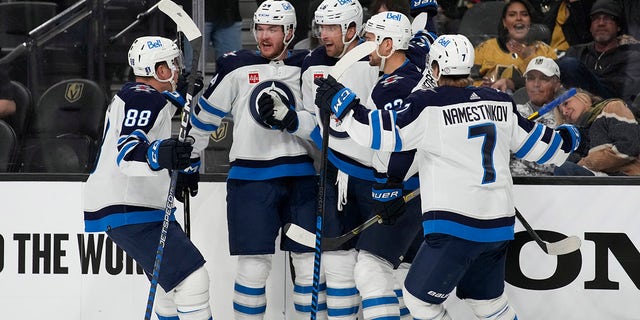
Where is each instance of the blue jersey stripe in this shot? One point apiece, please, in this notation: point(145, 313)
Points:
point(531, 141)
point(375, 127)
point(555, 144)
point(467, 232)
point(206, 106)
point(284, 170)
point(202, 125)
point(115, 220)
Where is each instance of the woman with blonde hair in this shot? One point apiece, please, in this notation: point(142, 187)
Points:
point(610, 137)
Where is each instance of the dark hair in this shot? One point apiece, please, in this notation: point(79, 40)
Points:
point(503, 33)
point(401, 6)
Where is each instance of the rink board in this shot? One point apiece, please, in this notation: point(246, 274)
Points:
point(50, 269)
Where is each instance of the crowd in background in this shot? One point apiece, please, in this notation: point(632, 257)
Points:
point(593, 43)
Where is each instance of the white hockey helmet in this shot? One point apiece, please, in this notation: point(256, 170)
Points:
point(146, 52)
point(454, 54)
point(340, 12)
point(390, 24)
point(276, 12)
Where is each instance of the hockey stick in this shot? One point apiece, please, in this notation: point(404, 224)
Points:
point(552, 104)
point(569, 244)
point(187, 213)
point(191, 31)
point(306, 238)
point(564, 246)
point(337, 70)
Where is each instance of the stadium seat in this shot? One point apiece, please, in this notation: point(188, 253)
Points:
point(8, 145)
point(23, 99)
point(480, 22)
point(66, 128)
point(19, 120)
point(19, 17)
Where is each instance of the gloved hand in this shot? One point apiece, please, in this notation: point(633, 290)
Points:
point(332, 96)
point(569, 133)
point(169, 154)
point(188, 179)
point(176, 99)
point(183, 84)
point(275, 110)
point(428, 6)
point(389, 203)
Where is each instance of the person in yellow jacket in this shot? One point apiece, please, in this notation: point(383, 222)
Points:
point(500, 62)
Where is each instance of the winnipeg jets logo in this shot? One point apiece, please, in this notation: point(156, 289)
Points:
point(390, 80)
point(264, 87)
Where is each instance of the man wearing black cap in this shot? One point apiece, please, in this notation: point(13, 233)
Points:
point(610, 65)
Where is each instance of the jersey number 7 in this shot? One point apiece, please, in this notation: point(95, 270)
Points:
point(488, 132)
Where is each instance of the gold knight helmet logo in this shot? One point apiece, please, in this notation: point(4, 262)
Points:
point(221, 133)
point(73, 92)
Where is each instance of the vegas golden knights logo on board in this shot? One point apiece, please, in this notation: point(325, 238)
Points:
point(73, 91)
point(221, 133)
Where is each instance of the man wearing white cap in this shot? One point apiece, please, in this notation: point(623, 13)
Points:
point(542, 82)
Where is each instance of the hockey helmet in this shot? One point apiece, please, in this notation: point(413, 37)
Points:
point(146, 52)
point(390, 24)
point(276, 13)
point(454, 54)
point(340, 12)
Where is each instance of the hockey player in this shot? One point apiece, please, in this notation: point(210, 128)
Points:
point(127, 193)
point(339, 24)
point(377, 256)
point(272, 180)
point(464, 136)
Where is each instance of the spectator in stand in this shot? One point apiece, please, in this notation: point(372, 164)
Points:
point(401, 6)
point(569, 22)
point(542, 82)
point(631, 9)
point(223, 26)
point(499, 62)
point(610, 137)
point(7, 103)
point(610, 65)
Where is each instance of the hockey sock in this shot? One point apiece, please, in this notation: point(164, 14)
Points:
point(343, 299)
point(249, 296)
point(375, 282)
point(303, 287)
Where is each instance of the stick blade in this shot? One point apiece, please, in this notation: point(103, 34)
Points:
point(354, 55)
point(300, 235)
point(181, 18)
point(564, 246)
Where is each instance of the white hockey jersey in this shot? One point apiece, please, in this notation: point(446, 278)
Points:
point(258, 152)
point(123, 189)
point(360, 77)
point(464, 138)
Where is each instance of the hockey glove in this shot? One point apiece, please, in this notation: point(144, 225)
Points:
point(332, 96)
point(175, 98)
point(183, 84)
point(569, 133)
point(188, 179)
point(276, 111)
point(428, 6)
point(389, 203)
point(169, 154)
